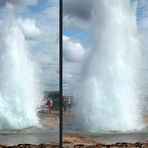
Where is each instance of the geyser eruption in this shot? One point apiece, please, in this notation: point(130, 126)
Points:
point(20, 96)
point(108, 96)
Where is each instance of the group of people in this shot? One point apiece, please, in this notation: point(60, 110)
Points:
point(46, 108)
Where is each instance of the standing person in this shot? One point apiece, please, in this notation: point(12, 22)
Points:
point(63, 104)
point(69, 104)
point(49, 106)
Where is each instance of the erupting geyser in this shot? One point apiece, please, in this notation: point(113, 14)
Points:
point(108, 96)
point(20, 96)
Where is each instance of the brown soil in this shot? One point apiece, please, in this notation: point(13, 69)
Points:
point(70, 138)
point(52, 119)
point(85, 142)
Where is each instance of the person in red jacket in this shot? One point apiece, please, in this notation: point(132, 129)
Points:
point(50, 104)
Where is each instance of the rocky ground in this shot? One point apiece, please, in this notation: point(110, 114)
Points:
point(31, 146)
point(117, 145)
point(72, 145)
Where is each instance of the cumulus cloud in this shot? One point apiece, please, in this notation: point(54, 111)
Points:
point(77, 13)
point(18, 2)
point(49, 69)
point(78, 8)
point(77, 18)
point(40, 27)
point(29, 28)
point(73, 51)
point(74, 54)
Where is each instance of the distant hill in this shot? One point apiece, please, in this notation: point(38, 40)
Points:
point(52, 94)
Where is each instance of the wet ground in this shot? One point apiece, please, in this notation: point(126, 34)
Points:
point(31, 138)
point(107, 138)
point(49, 132)
point(73, 135)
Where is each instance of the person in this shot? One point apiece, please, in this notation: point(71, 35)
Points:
point(69, 104)
point(49, 104)
point(63, 104)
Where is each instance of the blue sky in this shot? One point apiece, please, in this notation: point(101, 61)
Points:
point(142, 16)
point(39, 22)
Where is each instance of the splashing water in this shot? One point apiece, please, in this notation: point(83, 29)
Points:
point(108, 96)
point(19, 91)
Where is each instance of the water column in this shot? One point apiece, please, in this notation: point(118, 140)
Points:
point(20, 95)
point(108, 95)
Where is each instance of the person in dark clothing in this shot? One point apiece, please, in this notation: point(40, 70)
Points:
point(64, 104)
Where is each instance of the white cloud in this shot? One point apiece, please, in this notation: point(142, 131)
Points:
point(73, 51)
point(46, 49)
point(29, 28)
point(74, 55)
point(71, 72)
point(48, 62)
